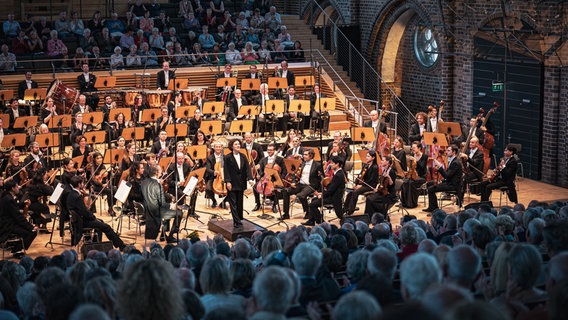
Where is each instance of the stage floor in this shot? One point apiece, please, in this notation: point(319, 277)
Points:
point(527, 190)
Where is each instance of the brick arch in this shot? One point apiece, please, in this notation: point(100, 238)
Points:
point(337, 15)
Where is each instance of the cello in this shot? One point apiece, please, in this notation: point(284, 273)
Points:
point(265, 186)
point(219, 186)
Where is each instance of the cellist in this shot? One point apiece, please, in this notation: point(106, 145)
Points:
point(254, 154)
point(211, 173)
point(409, 192)
point(272, 161)
point(384, 192)
point(366, 181)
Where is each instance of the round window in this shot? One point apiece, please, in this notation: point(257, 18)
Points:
point(425, 46)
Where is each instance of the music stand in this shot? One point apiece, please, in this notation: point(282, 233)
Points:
point(36, 94)
point(213, 108)
point(250, 84)
point(177, 130)
point(95, 137)
point(299, 106)
point(362, 134)
point(6, 95)
point(180, 84)
point(164, 163)
point(113, 156)
point(47, 140)
point(93, 118)
point(5, 120)
point(25, 122)
point(432, 138)
point(66, 121)
point(317, 154)
point(450, 128)
point(248, 111)
point(211, 127)
point(105, 83)
point(238, 126)
point(14, 140)
point(326, 103)
point(363, 153)
point(79, 161)
point(226, 82)
point(277, 83)
point(150, 115)
point(292, 165)
point(305, 81)
point(185, 112)
point(197, 152)
point(136, 133)
point(272, 107)
point(126, 111)
point(140, 79)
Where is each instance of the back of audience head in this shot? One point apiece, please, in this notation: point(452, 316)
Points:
point(197, 254)
point(427, 246)
point(556, 237)
point(29, 301)
point(443, 297)
point(185, 278)
point(477, 310)
point(382, 261)
point(61, 300)
point(499, 271)
point(367, 308)
point(243, 274)
point(89, 312)
point(463, 265)
point(417, 273)
point(272, 290)
point(307, 259)
point(103, 292)
point(215, 277)
point(525, 263)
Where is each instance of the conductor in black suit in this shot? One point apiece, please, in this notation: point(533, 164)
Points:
point(452, 178)
point(237, 173)
point(87, 82)
point(86, 218)
point(333, 194)
point(26, 84)
point(165, 76)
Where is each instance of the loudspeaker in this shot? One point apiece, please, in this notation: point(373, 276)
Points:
point(99, 246)
point(353, 218)
point(476, 205)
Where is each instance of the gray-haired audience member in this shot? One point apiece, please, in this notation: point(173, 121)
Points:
point(417, 273)
point(89, 312)
point(306, 259)
point(272, 292)
point(534, 232)
point(102, 291)
point(357, 305)
point(357, 265)
point(427, 246)
point(443, 297)
point(463, 265)
point(185, 278)
point(382, 261)
point(29, 301)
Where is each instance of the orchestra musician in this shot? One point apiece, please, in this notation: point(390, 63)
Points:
point(161, 148)
point(129, 157)
point(164, 76)
point(225, 93)
point(237, 173)
point(261, 101)
point(163, 120)
point(151, 160)
point(26, 84)
point(87, 82)
point(417, 129)
point(82, 149)
point(296, 151)
point(35, 159)
point(174, 103)
point(99, 179)
point(195, 122)
point(310, 179)
point(14, 170)
point(338, 147)
point(399, 153)
point(200, 139)
point(211, 173)
point(199, 100)
point(37, 190)
point(314, 109)
point(49, 111)
point(289, 143)
point(366, 182)
point(254, 159)
point(82, 105)
point(473, 161)
point(118, 125)
point(13, 222)
point(333, 194)
point(452, 179)
point(384, 192)
point(135, 178)
point(409, 191)
point(177, 172)
point(14, 112)
point(108, 105)
point(234, 106)
point(272, 161)
point(374, 122)
point(252, 74)
point(87, 219)
point(282, 71)
point(78, 128)
point(504, 176)
point(288, 116)
point(433, 118)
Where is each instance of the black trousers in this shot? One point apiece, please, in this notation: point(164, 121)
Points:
point(315, 213)
point(487, 187)
point(441, 187)
point(102, 227)
point(235, 198)
point(409, 192)
point(351, 197)
point(27, 235)
point(302, 192)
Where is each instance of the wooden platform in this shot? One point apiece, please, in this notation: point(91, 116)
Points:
point(528, 190)
point(226, 228)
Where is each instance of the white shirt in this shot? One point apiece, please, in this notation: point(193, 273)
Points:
point(472, 152)
point(305, 179)
point(270, 159)
point(86, 76)
point(166, 78)
point(29, 83)
point(237, 159)
point(180, 172)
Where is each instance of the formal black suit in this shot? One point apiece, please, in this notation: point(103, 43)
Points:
point(161, 79)
point(86, 219)
point(237, 177)
point(87, 108)
point(382, 125)
point(89, 86)
point(370, 180)
point(234, 108)
point(452, 182)
point(251, 93)
point(157, 147)
point(258, 101)
point(475, 166)
point(301, 190)
point(289, 77)
point(173, 177)
point(157, 209)
point(293, 151)
point(23, 86)
point(414, 134)
point(505, 178)
point(315, 114)
point(34, 167)
point(286, 117)
point(377, 202)
point(12, 222)
point(22, 113)
point(333, 194)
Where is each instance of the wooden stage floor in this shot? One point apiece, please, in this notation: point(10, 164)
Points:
point(527, 190)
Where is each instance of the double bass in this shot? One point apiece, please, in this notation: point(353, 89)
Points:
point(488, 138)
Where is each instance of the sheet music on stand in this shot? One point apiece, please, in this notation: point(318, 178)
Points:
point(56, 193)
point(190, 185)
point(123, 191)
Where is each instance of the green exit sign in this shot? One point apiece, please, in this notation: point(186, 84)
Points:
point(497, 86)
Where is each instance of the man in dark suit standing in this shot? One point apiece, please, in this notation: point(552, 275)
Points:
point(165, 76)
point(87, 219)
point(506, 174)
point(156, 207)
point(333, 194)
point(26, 84)
point(375, 121)
point(87, 82)
point(452, 179)
point(310, 179)
point(314, 110)
point(237, 173)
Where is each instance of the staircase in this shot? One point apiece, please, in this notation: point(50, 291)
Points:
point(302, 32)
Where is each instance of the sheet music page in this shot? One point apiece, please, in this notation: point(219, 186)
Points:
point(123, 191)
point(56, 193)
point(190, 185)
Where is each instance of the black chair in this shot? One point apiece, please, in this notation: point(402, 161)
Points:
point(11, 241)
point(78, 232)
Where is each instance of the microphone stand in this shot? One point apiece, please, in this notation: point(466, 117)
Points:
point(321, 145)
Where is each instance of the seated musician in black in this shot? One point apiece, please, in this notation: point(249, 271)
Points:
point(409, 192)
point(452, 179)
point(100, 178)
point(384, 194)
point(37, 190)
point(366, 182)
point(161, 148)
point(333, 194)
point(473, 161)
point(211, 173)
point(272, 161)
point(504, 177)
point(86, 219)
point(12, 222)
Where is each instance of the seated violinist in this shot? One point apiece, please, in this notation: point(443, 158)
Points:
point(473, 161)
point(333, 194)
point(366, 182)
point(37, 190)
point(99, 179)
point(384, 193)
point(161, 148)
point(341, 148)
point(415, 177)
point(310, 179)
point(12, 222)
point(272, 161)
point(212, 171)
point(452, 178)
point(503, 176)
